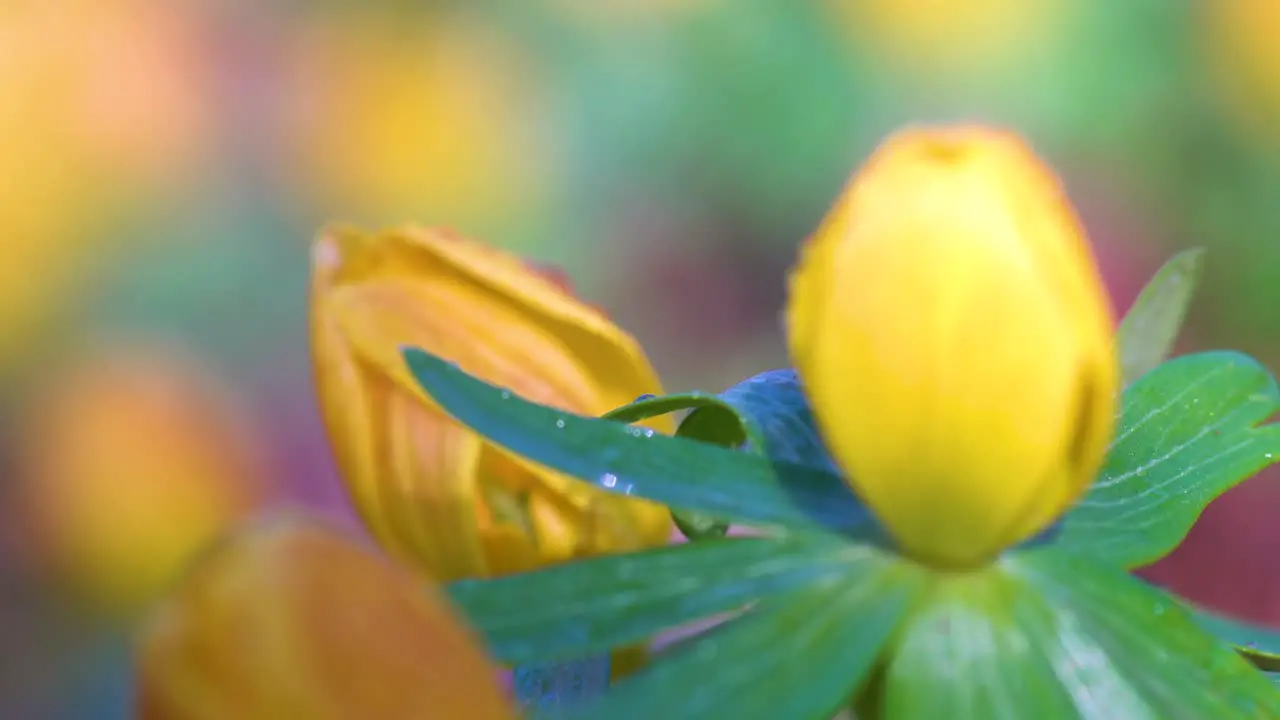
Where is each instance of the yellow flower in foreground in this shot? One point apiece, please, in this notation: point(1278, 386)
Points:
point(431, 490)
point(955, 340)
point(289, 619)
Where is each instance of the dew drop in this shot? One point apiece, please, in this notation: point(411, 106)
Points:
point(560, 423)
point(1268, 456)
point(506, 394)
point(609, 480)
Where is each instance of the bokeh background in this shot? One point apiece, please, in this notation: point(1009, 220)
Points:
point(164, 165)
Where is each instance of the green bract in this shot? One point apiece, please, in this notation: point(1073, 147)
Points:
point(824, 615)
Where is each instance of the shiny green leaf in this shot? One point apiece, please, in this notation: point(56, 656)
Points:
point(766, 414)
point(730, 430)
point(1188, 432)
point(678, 472)
point(1148, 331)
point(593, 605)
point(770, 413)
point(655, 405)
point(976, 651)
point(800, 656)
point(1045, 634)
point(1123, 648)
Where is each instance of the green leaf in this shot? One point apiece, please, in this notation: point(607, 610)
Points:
point(800, 656)
point(1188, 432)
point(766, 414)
point(733, 433)
point(1122, 648)
point(1259, 645)
point(1149, 329)
point(770, 413)
point(649, 406)
point(976, 650)
point(1044, 634)
point(680, 473)
point(594, 605)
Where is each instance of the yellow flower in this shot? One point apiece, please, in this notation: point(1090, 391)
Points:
point(102, 104)
point(624, 14)
point(934, 37)
point(128, 465)
point(1242, 57)
point(289, 619)
point(435, 113)
point(432, 490)
point(955, 340)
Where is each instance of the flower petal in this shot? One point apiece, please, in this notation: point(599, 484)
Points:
point(290, 619)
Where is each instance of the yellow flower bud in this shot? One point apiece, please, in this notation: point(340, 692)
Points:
point(955, 340)
point(289, 619)
point(432, 490)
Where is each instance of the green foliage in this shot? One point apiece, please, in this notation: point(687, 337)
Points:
point(1188, 432)
point(1260, 644)
point(826, 613)
point(678, 472)
point(766, 415)
point(591, 606)
point(1148, 331)
point(822, 639)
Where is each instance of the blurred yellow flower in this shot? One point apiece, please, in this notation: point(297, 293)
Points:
point(952, 331)
point(128, 465)
point(1240, 40)
point(396, 118)
point(942, 37)
point(431, 490)
point(289, 619)
point(624, 14)
point(97, 100)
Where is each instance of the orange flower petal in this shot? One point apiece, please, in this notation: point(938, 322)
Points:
point(289, 619)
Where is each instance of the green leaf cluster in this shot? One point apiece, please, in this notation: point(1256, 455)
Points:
point(822, 614)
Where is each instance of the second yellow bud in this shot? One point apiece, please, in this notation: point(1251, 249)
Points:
point(955, 340)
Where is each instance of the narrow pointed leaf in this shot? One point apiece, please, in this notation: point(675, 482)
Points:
point(680, 473)
point(733, 431)
point(766, 414)
point(737, 429)
point(1258, 644)
point(1149, 329)
point(1188, 432)
point(800, 656)
point(591, 606)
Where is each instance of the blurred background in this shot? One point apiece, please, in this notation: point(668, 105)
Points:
point(164, 165)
